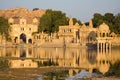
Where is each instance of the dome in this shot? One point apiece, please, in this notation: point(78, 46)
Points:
point(76, 24)
point(104, 28)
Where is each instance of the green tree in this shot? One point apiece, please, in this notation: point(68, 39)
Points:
point(109, 17)
point(51, 21)
point(112, 21)
point(114, 70)
point(4, 27)
point(97, 19)
point(78, 21)
point(117, 23)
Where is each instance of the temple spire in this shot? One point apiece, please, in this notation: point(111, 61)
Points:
point(90, 24)
point(71, 21)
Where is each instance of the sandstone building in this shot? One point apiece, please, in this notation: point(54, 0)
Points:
point(24, 25)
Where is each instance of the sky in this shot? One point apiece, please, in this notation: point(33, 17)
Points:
point(80, 9)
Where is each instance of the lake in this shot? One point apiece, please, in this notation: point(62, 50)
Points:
point(30, 63)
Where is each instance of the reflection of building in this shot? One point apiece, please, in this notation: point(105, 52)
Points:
point(69, 57)
point(24, 27)
point(23, 64)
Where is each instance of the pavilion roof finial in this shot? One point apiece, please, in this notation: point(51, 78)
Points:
point(90, 24)
point(71, 21)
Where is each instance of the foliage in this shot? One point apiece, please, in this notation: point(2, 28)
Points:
point(55, 75)
point(114, 70)
point(47, 63)
point(112, 21)
point(35, 9)
point(4, 27)
point(51, 21)
point(4, 64)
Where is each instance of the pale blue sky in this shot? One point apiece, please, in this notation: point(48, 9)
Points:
point(80, 9)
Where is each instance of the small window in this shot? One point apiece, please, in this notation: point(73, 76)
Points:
point(22, 22)
point(22, 65)
point(11, 23)
point(22, 29)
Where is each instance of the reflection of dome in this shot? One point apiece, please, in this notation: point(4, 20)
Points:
point(104, 68)
point(104, 27)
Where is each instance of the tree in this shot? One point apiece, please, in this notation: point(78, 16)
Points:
point(112, 21)
point(35, 9)
point(109, 17)
point(4, 27)
point(75, 20)
point(114, 70)
point(97, 19)
point(117, 23)
point(51, 21)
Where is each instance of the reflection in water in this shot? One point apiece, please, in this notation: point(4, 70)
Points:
point(69, 57)
point(91, 56)
point(22, 52)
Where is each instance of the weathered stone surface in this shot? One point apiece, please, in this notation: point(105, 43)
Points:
point(21, 12)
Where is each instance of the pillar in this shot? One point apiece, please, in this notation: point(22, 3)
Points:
point(18, 41)
point(110, 45)
point(27, 40)
point(110, 48)
point(97, 45)
point(106, 46)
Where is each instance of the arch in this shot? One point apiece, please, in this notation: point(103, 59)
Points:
point(23, 37)
point(16, 39)
point(92, 36)
point(30, 41)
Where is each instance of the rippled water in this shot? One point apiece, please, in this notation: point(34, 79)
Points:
point(29, 61)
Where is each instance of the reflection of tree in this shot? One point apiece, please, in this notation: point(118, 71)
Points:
point(114, 70)
point(55, 75)
point(3, 64)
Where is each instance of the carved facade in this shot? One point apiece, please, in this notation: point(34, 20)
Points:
point(22, 29)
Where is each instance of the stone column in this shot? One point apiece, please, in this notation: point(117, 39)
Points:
point(106, 46)
point(18, 40)
point(110, 45)
point(97, 45)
